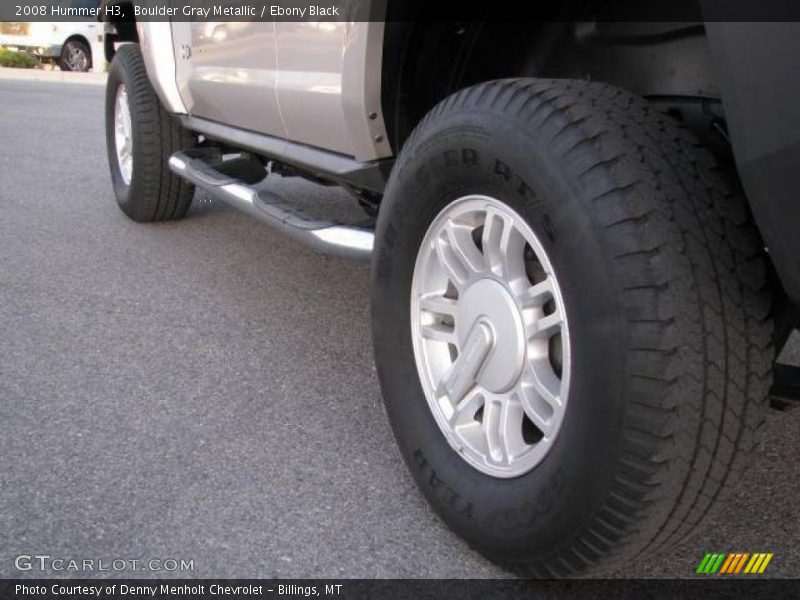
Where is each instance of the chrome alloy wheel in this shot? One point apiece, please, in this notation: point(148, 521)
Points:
point(490, 336)
point(76, 59)
point(123, 134)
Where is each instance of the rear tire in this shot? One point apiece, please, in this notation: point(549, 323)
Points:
point(664, 285)
point(148, 190)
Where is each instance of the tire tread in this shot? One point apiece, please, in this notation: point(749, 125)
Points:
point(691, 271)
point(155, 194)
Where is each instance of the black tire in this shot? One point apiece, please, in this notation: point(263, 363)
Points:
point(154, 192)
point(75, 56)
point(664, 283)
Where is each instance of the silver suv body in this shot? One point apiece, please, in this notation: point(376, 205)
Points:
point(326, 92)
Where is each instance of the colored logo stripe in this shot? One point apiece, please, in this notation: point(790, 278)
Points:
point(728, 562)
point(740, 564)
point(758, 563)
point(703, 563)
point(734, 562)
point(711, 562)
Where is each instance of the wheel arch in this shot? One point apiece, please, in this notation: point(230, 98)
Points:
point(118, 29)
point(678, 65)
point(585, 43)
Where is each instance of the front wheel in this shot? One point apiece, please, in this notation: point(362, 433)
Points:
point(570, 323)
point(140, 138)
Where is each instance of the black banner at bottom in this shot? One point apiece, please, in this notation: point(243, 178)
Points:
point(347, 589)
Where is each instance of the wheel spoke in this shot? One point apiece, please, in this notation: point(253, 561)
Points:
point(547, 326)
point(438, 304)
point(458, 254)
point(120, 126)
point(126, 118)
point(464, 411)
point(502, 245)
point(502, 427)
point(537, 295)
point(462, 244)
point(123, 134)
point(536, 409)
point(439, 332)
point(439, 321)
point(541, 377)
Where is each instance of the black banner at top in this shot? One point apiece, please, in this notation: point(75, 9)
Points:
point(452, 11)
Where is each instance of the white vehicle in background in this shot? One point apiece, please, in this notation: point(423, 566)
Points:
point(73, 45)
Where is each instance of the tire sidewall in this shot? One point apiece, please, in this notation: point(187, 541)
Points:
point(117, 77)
point(475, 152)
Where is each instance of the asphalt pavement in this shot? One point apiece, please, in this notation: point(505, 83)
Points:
point(204, 390)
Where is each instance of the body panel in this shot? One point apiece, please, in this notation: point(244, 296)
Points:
point(311, 61)
point(226, 72)
point(333, 69)
point(757, 69)
point(361, 83)
point(155, 38)
point(317, 83)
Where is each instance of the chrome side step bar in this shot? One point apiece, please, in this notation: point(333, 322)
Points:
point(205, 171)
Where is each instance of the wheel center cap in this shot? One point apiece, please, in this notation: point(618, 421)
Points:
point(489, 303)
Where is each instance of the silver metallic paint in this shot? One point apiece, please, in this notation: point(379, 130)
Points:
point(155, 40)
point(229, 73)
point(276, 79)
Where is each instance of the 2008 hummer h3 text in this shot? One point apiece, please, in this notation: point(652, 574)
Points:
point(584, 252)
